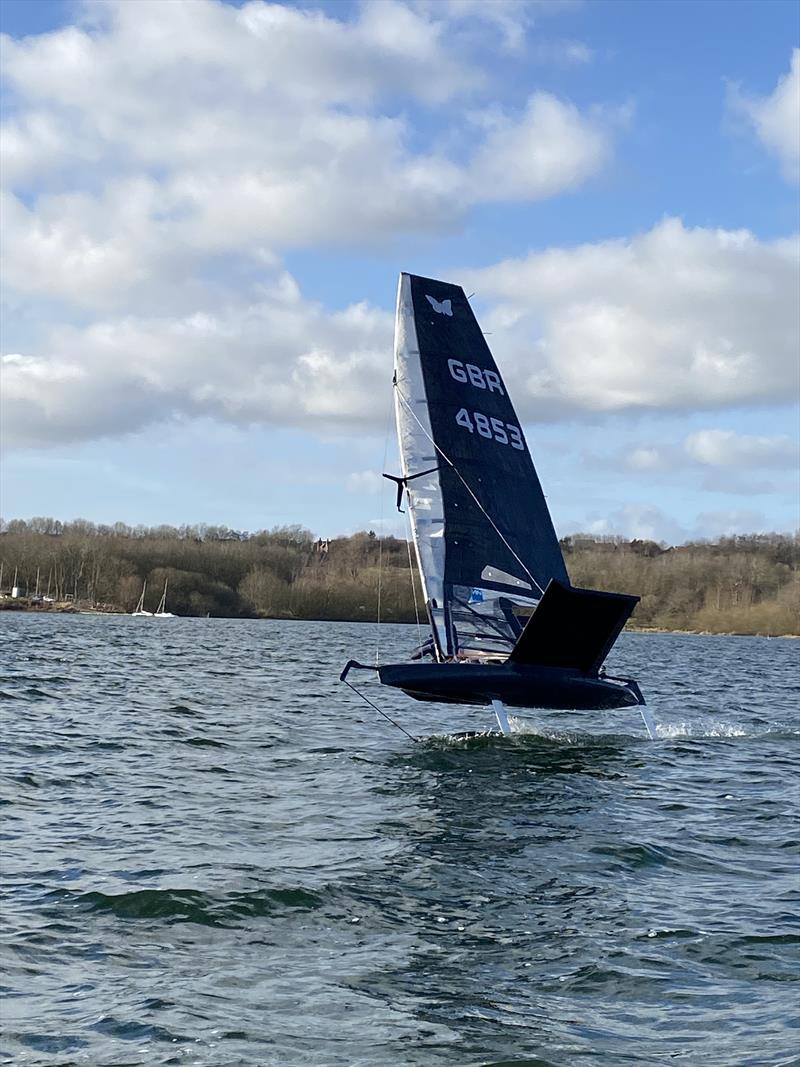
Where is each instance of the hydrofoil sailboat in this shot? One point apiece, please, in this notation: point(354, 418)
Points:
point(507, 627)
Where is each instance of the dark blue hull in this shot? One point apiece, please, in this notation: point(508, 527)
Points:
point(516, 685)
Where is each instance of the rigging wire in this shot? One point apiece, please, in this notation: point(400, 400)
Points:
point(388, 718)
point(447, 459)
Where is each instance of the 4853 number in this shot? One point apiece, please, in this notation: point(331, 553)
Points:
point(493, 429)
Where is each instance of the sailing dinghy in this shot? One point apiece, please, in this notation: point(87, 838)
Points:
point(140, 609)
point(507, 627)
point(161, 611)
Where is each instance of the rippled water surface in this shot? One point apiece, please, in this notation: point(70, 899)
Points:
point(213, 853)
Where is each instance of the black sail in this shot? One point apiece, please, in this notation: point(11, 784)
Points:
point(484, 537)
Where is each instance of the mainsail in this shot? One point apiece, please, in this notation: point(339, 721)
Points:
point(484, 537)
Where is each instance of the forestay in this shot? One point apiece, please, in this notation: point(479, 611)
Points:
point(484, 538)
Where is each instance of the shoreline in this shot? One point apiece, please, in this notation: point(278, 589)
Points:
point(706, 633)
point(67, 608)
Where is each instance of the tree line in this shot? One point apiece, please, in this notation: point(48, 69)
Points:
point(743, 584)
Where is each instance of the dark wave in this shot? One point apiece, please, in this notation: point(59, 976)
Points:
point(194, 905)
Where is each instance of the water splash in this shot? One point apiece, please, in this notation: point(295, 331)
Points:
point(671, 730)
point(527, 731)
point(703, 730)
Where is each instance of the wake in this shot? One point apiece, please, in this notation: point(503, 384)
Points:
point(525, 731)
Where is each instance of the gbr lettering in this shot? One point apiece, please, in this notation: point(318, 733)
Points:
point(481, 379)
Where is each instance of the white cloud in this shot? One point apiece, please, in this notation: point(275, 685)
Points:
point(650, 523)
point(552, 147)
point(725, 448)
point(713, 448)
point(284, 180)
point(158, 135)
point(278, 359)
point(189, 46)
point(643, 521)
point(776, 118)
point(718, 460)
point(514, 20)
point(159, 159)
point(731, 521)
point(158, 141)
point(68, 248)
point(644, 458)
point(674, 318)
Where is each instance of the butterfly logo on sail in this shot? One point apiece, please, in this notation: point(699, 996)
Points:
point(443, 307)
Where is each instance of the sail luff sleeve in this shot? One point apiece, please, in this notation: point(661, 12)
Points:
point(418, 457)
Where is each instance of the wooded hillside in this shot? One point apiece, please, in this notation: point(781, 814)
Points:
point(737, 584)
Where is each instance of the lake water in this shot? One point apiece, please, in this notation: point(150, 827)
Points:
point(213, 853)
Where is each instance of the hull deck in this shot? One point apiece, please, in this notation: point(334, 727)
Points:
point(515, 685)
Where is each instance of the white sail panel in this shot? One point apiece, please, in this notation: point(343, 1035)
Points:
point(418, 454)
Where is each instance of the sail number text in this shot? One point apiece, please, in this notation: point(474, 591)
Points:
point(493, 429)
point(481, 379)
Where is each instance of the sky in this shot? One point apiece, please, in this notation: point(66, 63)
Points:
point(206, 205)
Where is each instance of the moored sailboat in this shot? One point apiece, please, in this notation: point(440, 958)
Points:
point(507, 627)
point(161, 611)
point(139, 609)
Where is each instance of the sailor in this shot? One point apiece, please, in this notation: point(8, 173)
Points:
point(427, 648)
